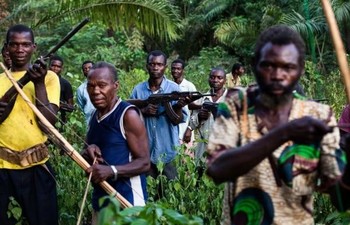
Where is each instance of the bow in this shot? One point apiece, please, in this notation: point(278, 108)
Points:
point(61, 141)
point(338, 45)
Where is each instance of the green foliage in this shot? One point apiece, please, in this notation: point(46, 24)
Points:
point(15, 211)
point(198, 68)
point(191, 193)
point(191, 198)
point(325, 212)
point(128, 80)
point(152, 213)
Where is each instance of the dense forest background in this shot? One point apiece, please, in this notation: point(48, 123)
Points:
point(206, 34)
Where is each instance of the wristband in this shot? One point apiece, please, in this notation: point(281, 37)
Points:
point(190, 128)
point(115, 172)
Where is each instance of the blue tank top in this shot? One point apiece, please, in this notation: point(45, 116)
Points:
point(108, 136)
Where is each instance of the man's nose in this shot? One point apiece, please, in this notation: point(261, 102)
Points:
point(277, 73)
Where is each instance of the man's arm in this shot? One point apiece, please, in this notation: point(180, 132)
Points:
point(229, 164)
point(137, 139)
point(136, 136)
point(37, 75)
point(80, 100)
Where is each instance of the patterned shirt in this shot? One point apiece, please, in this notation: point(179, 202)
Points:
point(279, 189)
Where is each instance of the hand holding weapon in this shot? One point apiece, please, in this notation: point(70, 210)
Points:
point(165, 99)
point(63, 143)
point(9, 97)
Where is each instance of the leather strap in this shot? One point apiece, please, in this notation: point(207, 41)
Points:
point(27, 157)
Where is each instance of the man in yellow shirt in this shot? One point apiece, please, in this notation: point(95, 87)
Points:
point(24, 171)
point(233, 79)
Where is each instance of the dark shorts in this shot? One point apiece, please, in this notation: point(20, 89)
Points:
point(35, 190)
point(169, 171)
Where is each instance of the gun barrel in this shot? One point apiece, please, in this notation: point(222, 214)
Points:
point(66, 38)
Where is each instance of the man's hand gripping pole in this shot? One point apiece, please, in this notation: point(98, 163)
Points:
point(61, 141)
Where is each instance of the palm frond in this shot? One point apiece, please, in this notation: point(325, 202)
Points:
point(154, 17)
point(341, 10)
point(316, 24)
point(236, 32)
point(213, 8)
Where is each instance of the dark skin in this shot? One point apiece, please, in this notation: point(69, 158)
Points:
point(6, 58)
point(156, 67)
point(86, 68)
point(57, 67)
point(177, 72)
point(216, 80)
point(102, 88)
point(21, 48)
point(277, 71)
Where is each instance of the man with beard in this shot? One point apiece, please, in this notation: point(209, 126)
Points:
point(273, 149)
point(202, 118)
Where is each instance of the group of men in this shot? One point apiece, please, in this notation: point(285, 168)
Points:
point(273, 150)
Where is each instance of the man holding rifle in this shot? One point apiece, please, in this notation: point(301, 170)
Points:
point(162, 128)
point(24, 170)
point(203, 116)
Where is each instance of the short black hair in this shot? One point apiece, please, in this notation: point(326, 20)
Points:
point(19, 28)
point(112, 69)
point(218, 69)
point(236, 66)
point(179, 61)
point(57, 58)
point(156, 53)
point(279, 35)
point(86, 62)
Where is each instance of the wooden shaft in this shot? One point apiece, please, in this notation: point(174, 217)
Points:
point(64, 143)
point(338, 45)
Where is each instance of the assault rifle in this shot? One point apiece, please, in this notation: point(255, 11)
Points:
point(166, 99)
point(11, 94)
point(211, 107)
point(66, 107)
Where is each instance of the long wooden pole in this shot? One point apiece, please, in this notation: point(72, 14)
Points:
point(338, 45)
point(64, 143)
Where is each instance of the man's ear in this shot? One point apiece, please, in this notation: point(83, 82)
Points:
point(116, 83)
point(35, 46)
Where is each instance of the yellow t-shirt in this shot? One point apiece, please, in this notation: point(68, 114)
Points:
point(20, 129)
point(230, 82)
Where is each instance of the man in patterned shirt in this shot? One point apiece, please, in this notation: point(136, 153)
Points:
point(273, 149)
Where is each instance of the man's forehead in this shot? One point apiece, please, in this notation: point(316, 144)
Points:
point(20, 35)
point(218, 73)
point(270, 50)
point(157, 58)
point(176, 65)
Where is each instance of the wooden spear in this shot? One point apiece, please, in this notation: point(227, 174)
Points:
point(338, 45)
point(64, 143)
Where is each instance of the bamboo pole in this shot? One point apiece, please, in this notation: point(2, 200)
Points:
point(64, 143)
point(338, 45)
